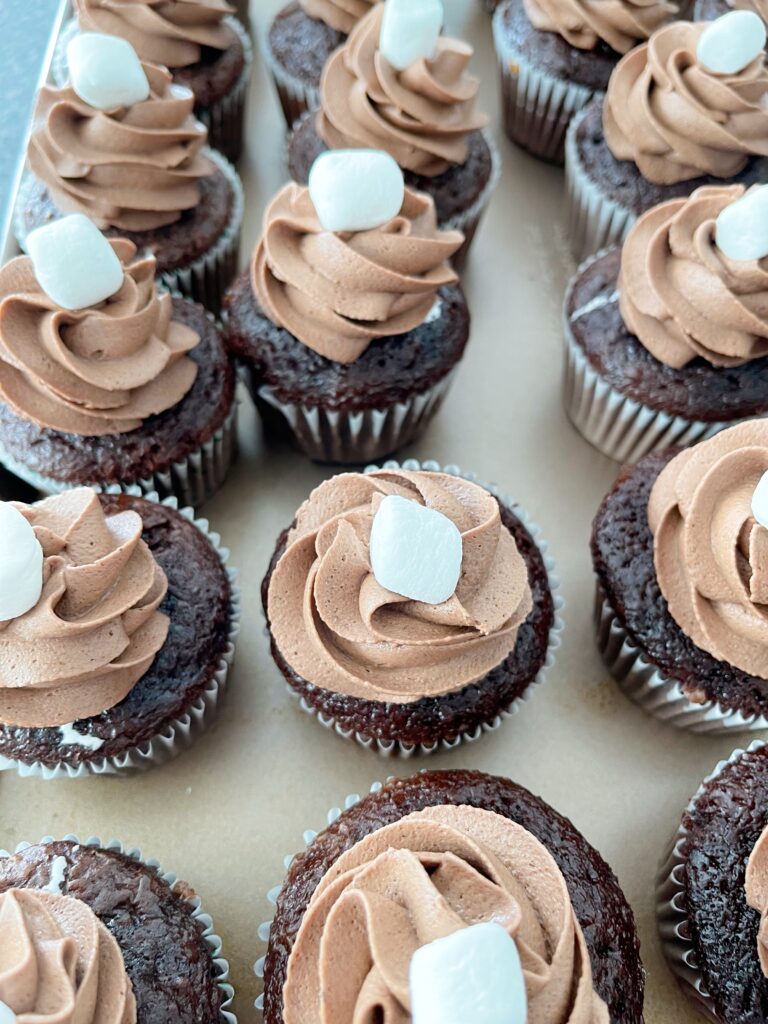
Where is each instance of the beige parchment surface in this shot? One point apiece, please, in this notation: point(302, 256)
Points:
point(226, 813)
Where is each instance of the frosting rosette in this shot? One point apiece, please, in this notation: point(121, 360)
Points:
point(342, 15)
point(710, 553)
point(100, 370)
point(96, 627)
point(586, 23)
point(337, 292)
point(135, 168)
point(676, 119)
point(756, 885)
point(341, 630)
point(59, 964)
point(682, 296)
point(169, 32)
point(420, 879)
point(421, 116)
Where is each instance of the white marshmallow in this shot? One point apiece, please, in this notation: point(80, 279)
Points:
point(7, 1016)
point(760, 501)
point(105, 71)
point(74, 263)
point(356, 189)
point(410, 30)
point(21, 564)
point(473, 975)
point(731, 42)
point(741, 230)
point(415, 551)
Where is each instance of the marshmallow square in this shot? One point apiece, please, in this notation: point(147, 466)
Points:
point(741, 230)
point(105, 71)
point(74, 263)
point(410, 30)
point(21, 565)
point(731, 42)
point(356, 189)
point(760, 501)
point(7, 1016)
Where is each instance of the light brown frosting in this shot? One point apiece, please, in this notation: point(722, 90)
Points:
point(682, 296)
point(342, 15)
point(423, 878)
point(59, 964)
point(585, 23)
point(96, 628)
point(341, 630)
point(420, 116)
point(134, 168)
point(675, 119)
point(711, 555)
point(337, 292)
point(94, 371)
point(756, 885)
point(170, 32)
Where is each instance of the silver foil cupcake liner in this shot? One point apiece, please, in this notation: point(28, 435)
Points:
point(619, 427)
point(674, 927)
point(178, 735)
point(296, 96)
point(405, 751)
point(205, 921)
point(536, 107)
point(655, 693)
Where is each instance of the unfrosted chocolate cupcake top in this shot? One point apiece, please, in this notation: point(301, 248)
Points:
point(756, 885)
point(585, 23)
point(342, 15)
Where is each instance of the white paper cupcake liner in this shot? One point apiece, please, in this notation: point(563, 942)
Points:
point(536, 107)
point(178, 735)
point(406, 751)
point(212, 940)
point(647, 686)
point(673, 924)
point(296, 96)
point(468, 221)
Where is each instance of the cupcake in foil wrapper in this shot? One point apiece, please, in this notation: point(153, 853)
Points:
point(469, 220)
point(297, 96)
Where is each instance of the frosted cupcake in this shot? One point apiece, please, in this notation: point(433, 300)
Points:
point(680, 112)
point(413, 98)
point(666, 338)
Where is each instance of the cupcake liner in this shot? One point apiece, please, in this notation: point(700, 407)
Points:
point(177, 735)
point(648, 687)
point(594, 220)
point(405, 751)
point(619, 427)
point(673, 924)
point(536, 107)
point(468, 221)
point(296, 96)
point(212, 940)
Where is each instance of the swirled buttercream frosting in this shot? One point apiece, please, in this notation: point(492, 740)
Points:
point(421, 116)
point(423, 878)
point(682, 296)
point(342, 15)
point(337, 292)
point(711, 555)
point(341, 630)
point(135, 168)
point(96, 628)
point(169, 32)
point(676, 119)
point(584, 24)
point(94, 371)
point(59, 964)
point(756, 885)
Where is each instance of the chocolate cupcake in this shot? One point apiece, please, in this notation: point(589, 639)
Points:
point(399, 666)
point(140, 172)
point(713, 892)
point(204, 47)
point(93, 933)
point(300, 40)
point(668, 125)
point(117, 633)
point(555, 55)
point(665, 339)
point(432, 866)
point(680, 615)
point(135, 388)
point(708, 10)
point(423, 115)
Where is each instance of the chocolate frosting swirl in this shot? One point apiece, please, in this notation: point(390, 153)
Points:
point(169, 32)
point(425, 877)
point(420, 116)
point(337, 292)
point(711, 555)
point(342, 15)
point(101, 370)
point(676, 119)
point(682, 296)
point(756, 885)
point(59, 964)
point(135, 168)
point(585, 23)
point(96, 628)
point(341, 630)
